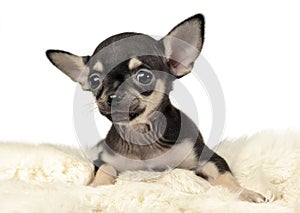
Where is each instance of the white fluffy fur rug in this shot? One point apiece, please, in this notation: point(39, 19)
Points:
point(45, 178)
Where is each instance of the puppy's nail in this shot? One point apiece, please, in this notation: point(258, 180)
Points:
point(261, 200)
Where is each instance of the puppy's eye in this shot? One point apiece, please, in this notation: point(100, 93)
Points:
point(144, 77)
point(94, 80)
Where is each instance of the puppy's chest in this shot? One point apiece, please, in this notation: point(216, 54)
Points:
point(126, 156)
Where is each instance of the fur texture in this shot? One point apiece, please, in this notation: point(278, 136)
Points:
point(46, 178)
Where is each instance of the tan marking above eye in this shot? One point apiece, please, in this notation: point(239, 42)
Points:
point(98, 66)
point(134, 63)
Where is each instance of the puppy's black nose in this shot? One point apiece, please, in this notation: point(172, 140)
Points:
point(114, 99)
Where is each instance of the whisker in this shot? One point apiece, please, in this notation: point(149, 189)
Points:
point(88, 104)
point(150, 101)
point(94, 109)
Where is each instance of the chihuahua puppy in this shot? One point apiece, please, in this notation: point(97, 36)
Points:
point(131, 76)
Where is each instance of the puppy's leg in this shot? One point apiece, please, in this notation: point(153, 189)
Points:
point(217, 172)
point(105, 175)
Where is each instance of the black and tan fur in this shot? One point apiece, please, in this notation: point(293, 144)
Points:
point(148, 132)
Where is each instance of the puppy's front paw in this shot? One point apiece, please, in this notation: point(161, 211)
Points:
point(105, 175)
point(251, 196)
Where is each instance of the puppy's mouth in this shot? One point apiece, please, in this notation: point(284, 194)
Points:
point(124, 112)
point(117, 116)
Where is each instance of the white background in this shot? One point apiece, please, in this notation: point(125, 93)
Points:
point(253, 47)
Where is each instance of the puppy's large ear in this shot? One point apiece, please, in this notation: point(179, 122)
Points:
point(183, 44)
point(72, 65)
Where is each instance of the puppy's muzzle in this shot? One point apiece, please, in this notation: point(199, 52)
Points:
point(121, 107)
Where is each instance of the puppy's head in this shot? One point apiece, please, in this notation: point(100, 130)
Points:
point(131, 74)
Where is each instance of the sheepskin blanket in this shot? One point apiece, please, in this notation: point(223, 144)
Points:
point(47, 178)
